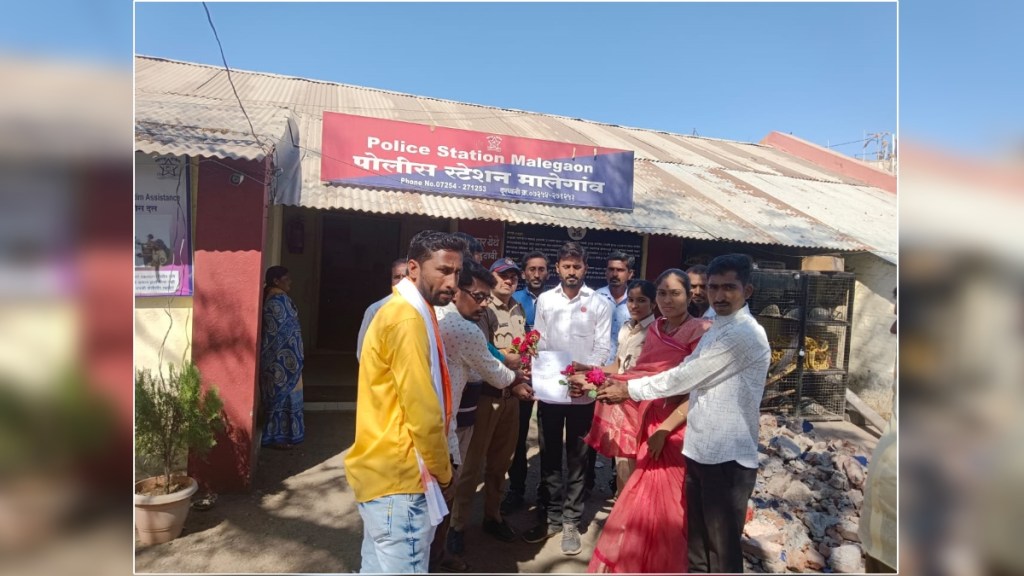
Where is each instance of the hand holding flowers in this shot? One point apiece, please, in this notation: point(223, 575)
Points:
point(579, 381)
point(526, 347)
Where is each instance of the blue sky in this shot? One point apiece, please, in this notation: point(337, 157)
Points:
point(826, 73)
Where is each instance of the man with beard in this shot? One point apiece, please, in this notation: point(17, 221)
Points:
point(570, 318)
point(535, 274)
point(699, 306)
point(403, 412)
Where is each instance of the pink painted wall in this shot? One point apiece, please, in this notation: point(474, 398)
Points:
point(229, 231)
point(833, 161)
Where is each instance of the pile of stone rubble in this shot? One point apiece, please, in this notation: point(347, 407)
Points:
point(807, 501)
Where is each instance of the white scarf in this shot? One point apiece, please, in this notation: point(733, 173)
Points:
point(436, 507)
point(412, 295)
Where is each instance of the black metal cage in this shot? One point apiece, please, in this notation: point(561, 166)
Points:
point(806, 316)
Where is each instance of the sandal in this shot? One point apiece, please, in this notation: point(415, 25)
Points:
point(205, 502)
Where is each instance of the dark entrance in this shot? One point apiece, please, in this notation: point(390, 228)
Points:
point(356, 255)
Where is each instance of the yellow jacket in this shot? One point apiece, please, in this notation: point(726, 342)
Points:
point(397, 408)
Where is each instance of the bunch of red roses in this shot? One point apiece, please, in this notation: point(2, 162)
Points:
point(526, 346)
point(594, 376)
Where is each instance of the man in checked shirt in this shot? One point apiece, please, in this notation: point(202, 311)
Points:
point(725, 379)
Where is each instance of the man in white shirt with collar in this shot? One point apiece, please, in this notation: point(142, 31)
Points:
point(570, 318)
point(725, 378)
point(618, 273)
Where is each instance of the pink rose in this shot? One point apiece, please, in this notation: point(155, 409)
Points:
point(596, 377)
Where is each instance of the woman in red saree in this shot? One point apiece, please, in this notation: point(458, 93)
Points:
point(646, 530)
point(614, 430)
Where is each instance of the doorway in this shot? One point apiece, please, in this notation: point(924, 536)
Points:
point(356, 257)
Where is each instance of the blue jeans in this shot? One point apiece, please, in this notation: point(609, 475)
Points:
point(396, 534)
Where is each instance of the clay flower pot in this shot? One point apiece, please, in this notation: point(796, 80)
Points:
point(159, 518)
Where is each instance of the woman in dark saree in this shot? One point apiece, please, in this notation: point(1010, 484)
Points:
point(281, 363)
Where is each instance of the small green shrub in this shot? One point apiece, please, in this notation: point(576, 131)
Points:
point(173, 415)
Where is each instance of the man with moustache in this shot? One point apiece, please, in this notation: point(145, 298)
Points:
point(571, 318)
point(403, 412)
point(618, 273)
point(535, 274)
point(468, 359)
point(699, 306)
point(497, 417)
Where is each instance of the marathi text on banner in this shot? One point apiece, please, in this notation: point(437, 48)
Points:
point(372, 152)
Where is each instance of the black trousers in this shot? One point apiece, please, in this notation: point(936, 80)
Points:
point(517, 471)
point(566, 497)
point(716, 509)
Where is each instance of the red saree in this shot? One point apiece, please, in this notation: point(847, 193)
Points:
point(646, 530)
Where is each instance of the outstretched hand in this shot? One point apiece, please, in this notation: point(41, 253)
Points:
point(523, 391)
point(513, 360)
point(613, 392)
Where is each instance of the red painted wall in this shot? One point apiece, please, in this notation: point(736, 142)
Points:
point(229, 230)
point(107, 297)
point(663, 252)
point(830, 160)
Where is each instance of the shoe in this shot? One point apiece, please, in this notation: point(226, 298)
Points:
point(456, 545)
point(571, 542)
point(513, 501)
point(499, 529)
point(540, 533)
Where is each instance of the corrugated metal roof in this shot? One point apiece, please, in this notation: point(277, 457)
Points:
point(687, 186)
point(202, 128)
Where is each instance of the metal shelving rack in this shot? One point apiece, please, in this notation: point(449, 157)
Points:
point(806, 315)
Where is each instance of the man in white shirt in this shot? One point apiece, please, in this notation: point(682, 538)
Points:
point(468, 359)
point(398, 271)
point(618, 273)
point(725, 378)
point(570, 318)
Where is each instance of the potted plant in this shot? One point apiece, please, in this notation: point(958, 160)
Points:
point(173, 416)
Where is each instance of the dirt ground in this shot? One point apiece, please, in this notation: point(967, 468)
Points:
point(301, 517)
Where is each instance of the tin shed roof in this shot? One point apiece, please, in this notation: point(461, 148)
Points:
point(686, 186)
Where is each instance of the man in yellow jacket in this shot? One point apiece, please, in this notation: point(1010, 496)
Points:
point(403, 410)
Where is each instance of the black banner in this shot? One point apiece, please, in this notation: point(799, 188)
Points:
point(523, 238)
